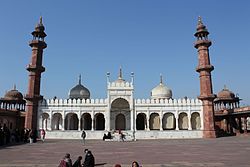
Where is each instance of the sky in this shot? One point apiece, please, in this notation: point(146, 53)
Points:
point(146, 37)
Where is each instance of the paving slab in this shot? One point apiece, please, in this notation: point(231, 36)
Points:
point(220, 152)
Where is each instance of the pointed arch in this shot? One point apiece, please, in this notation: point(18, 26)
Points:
point(120, 122)
point(141, 121)
point(56, 121)
point(71, 121)
point(86, 121)
point(45, 121)
point(99, 121)
point(168, 121)
point(154, 121)
point(196, 121)
point(183, 121)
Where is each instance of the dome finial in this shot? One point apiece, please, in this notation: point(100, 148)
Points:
point(14, 87)
point(161, 80)
point(225, 87)
point(80, 79)
point(120, 73)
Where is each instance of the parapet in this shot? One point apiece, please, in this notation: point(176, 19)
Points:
point(171, 102)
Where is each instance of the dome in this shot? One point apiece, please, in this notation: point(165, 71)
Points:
point(226, 94)
point(79, 92)
point(161, 92)
point(13, 95)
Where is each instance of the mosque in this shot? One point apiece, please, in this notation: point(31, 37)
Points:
point(158, 117)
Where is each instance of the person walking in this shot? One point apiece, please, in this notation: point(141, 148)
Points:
point(43, 133)
point(83, 137)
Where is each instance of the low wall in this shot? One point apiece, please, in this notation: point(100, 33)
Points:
point(172, 134)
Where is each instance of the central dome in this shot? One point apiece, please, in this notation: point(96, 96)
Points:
point(79, 92)
point(161, 92)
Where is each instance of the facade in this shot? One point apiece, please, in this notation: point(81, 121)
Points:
point(158, 117)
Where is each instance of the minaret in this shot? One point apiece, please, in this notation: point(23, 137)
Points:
point(204, 68)
point(35, 69)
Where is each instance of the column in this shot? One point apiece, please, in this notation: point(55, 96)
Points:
point(245, 125)
point(107, 120)
point(161, 121)
point(63, 120)
point(148, 116)
point(79, 120)
point(50, 121)
point(93, 120)
point(132, 119)
point(177, 120)
point(189, 119)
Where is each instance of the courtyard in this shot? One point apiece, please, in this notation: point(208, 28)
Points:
point(220, 152)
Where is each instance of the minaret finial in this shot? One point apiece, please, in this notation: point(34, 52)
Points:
point(199, 21)
point(161, 80)
point(80, 79)
point(41, 20)
point(120, 73)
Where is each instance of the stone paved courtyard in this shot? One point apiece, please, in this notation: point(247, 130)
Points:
point(220, 152)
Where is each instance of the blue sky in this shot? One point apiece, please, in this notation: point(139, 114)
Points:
point(145, 37)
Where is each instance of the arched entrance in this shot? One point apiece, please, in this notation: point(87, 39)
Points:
point(141, 121)
point(86, 121)
point(45, 121)
point(120, 115)
point(195, 121)
point(99, 121)
point(71, 122)
point(154, 121)
point(168, 121)
point(183, 121)
point(120, 122)
point(57, 121)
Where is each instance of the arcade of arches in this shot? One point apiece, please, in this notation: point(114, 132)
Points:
point(168, 121)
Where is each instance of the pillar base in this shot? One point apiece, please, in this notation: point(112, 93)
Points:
point(209, 134)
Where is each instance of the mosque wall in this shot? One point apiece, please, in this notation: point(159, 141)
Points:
point(144, 119)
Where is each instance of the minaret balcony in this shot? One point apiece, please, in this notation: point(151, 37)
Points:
point(205, 68)
point(202, 42)
point(34, 68)
point(37, 43)
point(207, 97)
point(33, 97)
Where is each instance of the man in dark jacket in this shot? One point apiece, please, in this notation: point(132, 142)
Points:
point(89, 160)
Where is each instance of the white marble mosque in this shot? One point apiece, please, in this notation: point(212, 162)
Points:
point(159, 117)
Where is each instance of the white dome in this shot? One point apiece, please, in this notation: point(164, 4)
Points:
point(161, 92)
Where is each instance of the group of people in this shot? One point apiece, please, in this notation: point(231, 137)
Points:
point(8, 136)
point(89, 160)
point(109, 136)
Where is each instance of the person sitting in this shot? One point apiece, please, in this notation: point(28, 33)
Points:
point(108, 136)
point(66, 161)
point(135, 164)
point(78, 162)
point(89, 160)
